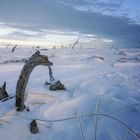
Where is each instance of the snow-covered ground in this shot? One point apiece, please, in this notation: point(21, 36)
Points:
point(102, 100)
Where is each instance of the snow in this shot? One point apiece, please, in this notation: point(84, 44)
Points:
point(103, 91)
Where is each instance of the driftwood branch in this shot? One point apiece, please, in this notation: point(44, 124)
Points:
point(3, 92)
point(13, 49)
point(7, 98)
point(34, 127)
point(57, 86)
point(35, 60)
point(51, 74)
point(77, 41)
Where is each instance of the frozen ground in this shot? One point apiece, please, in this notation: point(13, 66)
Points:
point(102, 101)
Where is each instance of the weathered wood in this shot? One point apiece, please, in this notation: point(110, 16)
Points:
point(13, 49)
point(34, 127)
point(3, 92)
point(51, 77)
point(51, 74)
point(57, 86)
point(8, 98)
point(77, 41)
point(35, 60)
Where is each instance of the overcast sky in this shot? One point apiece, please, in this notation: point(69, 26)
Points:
point(61, 21)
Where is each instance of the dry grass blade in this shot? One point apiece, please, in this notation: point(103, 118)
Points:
point(96, 118)
point(126, 135)
point(81, 126)
point(89, 115)
point(44, 125)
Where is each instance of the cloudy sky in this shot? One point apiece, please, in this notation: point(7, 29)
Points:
point(43, 22)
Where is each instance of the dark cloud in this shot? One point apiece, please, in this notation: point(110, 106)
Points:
point(62, 15)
